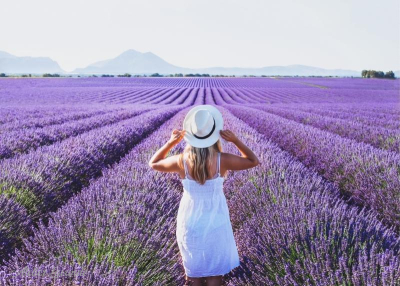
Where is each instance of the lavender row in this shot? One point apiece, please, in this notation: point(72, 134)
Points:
point(161, 99)
point(145, 96)
point(378, 137)
point(61, 271)
point(43, 180)
point(149, 96)
point(128, 214)
point(23, 141)
point(392, 122)
point(14, 224)
point(187, 98)
point(53, 119)
point(8, 115)
point(383, 112)
point(120, 95)
point(367, 175)
point(180, 96)
point(349, 83)
point(292, 228)
point(333, 96)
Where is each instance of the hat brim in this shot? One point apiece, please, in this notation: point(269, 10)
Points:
point(203, 143)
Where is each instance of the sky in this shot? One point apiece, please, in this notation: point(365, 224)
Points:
point(331, 34)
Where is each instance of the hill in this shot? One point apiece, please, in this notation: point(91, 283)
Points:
point(11, 64)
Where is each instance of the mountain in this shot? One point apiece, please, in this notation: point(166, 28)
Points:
point(11, 64)
point(135, 62)
point(5, 55)
point(132, 62)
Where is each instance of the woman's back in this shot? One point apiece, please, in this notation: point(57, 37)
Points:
point(213, 169)
point(204, 231)
point(211, 187)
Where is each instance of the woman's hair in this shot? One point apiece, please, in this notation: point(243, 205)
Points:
point(201, 159)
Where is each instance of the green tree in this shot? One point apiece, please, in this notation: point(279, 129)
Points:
point(389, 74)
point(364, 73)
point(124, 75)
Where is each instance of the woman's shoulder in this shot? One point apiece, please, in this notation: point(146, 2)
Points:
point(225, 154)
point(178, 157)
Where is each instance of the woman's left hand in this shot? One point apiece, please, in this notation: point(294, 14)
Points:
point(176, 136)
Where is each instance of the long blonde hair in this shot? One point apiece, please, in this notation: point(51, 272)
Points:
point(201, 160)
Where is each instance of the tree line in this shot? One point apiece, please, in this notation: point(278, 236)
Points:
point(377, 74)
point(364, 74)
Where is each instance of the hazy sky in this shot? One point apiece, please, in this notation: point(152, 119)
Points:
point(345, 34)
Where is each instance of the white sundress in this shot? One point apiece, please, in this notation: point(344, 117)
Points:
point(204, 231)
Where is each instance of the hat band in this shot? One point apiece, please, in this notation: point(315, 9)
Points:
point(208, 135)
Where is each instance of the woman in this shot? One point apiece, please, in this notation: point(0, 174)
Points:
point(204, 231)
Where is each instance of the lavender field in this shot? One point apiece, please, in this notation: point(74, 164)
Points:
point(80, 206)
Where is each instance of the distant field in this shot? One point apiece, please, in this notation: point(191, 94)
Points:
point(78, 202)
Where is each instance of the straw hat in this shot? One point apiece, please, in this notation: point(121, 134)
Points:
point(202, 125)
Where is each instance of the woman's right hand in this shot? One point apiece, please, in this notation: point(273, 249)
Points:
point(228, 135)
point(176, 136)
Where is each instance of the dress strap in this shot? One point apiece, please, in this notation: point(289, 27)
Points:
point(218, 164)
point(185, 166)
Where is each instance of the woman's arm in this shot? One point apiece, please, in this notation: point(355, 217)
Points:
point(233, 162)
point(159, 163)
